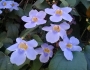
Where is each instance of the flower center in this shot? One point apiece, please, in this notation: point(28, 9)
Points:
point(34, 19)
point(4, 3)
point(12, 4)
point(69, 45)
point(23, 46)
point(56, 28)
point(59, 12)
point(46, 50)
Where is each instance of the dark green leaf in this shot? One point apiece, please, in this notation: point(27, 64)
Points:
point(59, 62)
point(41, 5)
point(27, 31)
point(36, 65)
point(5, 63)
point(85, 3)
point(38, 39)
point(1, 44)
point(27, 9)
point(19, 12)
point(71, 2)
point(87, 54)
point(12, 30)
point(65, 3)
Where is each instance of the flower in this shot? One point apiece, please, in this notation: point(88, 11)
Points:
point(59, 13)
point(22, 49)
point(45, 51)
point(68, 45)
point(56, 31)
point(0, 11)
point(5, 4)
point(35, 18)
point(14, 5)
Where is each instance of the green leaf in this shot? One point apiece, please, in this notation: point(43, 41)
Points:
point(1, 44)
point(27, 9)
point(41, 5)
point(71, 2)
point(87, 55)
point(2, 36)
point(36, 65)
point(85, 3)
point(12, 30)
point(59, 62)
point(5, 63)
point(74, 12)
point(65, 3)
point(19, 12)
point(27, 31)
point(38, 39)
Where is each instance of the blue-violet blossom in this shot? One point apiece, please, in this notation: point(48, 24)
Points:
point(45, 51)
point(57, 13)
point(56, 31)
point(35, 18)
point(22, 49)
point(69, 45)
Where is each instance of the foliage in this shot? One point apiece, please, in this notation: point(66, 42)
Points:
point(12, 27)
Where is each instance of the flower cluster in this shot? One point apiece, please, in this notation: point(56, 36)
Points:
point(11, 5)
point(55, 31)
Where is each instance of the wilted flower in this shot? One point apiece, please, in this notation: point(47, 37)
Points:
point(56, 31)
point(59, 13)
point(14, 5)
point(22, 49)
point(45, 51)
point(35, 18)
point(69, 45)
point(5, 4)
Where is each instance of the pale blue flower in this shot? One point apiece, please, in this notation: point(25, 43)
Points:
point(22, 49)
point(56, 31)
point(57, 13)
point(35, 18)
point(69, 45)
point(5, 4)
point(14, 6)
point(46, 52)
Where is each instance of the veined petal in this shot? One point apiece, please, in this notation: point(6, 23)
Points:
point(13, 47)
point(41, 21)
point(47, 28)
point(65, 25)
point(26, 19)
point(66, 9)
point(51, 54)
point(49, 11)
point(29, 25)
point(68, 54)
point(67, 17)
point(39, 50)
point(62, 33)
point(54, 6)
point(62, 45)
point(32, 43)
point(17, 58)
point(52, 37)
point(74, 40)
point(18, 40)
point(76, 48)
point(31, 53)
point(44, 59)
point(41, 14)
point(33, 13)
point(55, 18)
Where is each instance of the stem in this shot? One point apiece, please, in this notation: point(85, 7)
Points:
point(83, 32)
